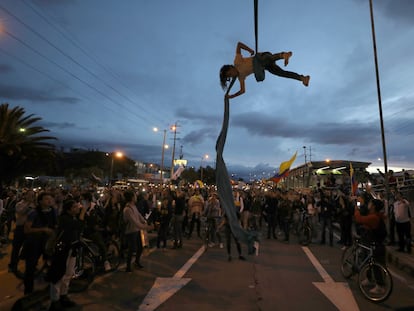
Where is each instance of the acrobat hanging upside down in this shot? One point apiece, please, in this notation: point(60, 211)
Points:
point(257, 64)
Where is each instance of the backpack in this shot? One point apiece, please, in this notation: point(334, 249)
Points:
point(380, 233)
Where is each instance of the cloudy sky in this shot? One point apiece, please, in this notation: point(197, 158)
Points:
point(102, 73)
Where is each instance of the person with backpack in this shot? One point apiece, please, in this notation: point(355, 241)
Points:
point(374, 231)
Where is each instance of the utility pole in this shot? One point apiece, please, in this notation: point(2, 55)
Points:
point(304, 152)
point(384, 149)
point(174, 130)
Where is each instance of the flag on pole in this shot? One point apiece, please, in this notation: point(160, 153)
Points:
point(284, 169)
point(354, 183)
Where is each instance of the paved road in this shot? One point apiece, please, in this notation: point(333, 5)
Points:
point(283, 277)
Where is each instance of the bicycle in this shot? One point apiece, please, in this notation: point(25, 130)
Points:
point(374, 280)
point(89, 261)
point(208, 225)
point(305, 232)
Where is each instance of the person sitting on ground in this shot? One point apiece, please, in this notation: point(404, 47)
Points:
point(245, 66)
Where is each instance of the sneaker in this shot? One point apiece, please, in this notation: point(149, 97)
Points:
point(66, 302)
point(138, 265)
point(211, 244)
point(366, 282)
point(241, 257)
point(107, 266)
point(286, 57)
point(377, 290)
point(221, 245)
point(305, 80)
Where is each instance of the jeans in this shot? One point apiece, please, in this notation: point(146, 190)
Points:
point(62, 286)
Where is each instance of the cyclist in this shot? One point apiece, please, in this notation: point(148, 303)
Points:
point(371, 233)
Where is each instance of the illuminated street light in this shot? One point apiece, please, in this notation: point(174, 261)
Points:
point(201, 165)
point(173, 129)
point(117, 154)
point(164, 146)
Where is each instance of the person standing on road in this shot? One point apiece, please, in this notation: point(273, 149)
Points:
point(62, 269)
point(196, 206)
point(270, 213)
point(229, 235)
point(92, 227)
point(23, 208)
point(134, 222)
point(39, 226)
point(326, 214)
point(213, 213)
point(402, 213)
point(178, 219)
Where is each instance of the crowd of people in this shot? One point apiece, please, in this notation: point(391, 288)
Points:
point(29, 220)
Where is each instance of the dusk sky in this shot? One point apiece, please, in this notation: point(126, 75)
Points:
point(102, 73)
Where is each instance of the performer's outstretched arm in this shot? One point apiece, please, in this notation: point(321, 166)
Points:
point(243, 46)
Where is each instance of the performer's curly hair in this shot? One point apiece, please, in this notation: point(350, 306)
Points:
point(223, 76)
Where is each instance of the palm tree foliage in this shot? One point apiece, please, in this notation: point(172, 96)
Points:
point(23, 147)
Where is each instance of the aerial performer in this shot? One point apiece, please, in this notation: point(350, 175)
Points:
point(257, 64)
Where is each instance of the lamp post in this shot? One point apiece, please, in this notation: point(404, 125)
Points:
point(164, 146)
point(384, 148)
point(174, 130)
point(117, 154)
point(201, 165)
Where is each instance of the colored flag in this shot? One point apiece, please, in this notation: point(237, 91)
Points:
point(284, 169)
point(178, 172)
point(354, 183)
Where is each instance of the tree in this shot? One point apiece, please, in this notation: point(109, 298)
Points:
point(22, 147)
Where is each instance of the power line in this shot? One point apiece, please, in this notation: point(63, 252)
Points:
point(85, 52)
point(70, 58)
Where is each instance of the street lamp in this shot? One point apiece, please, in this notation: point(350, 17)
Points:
point(164, 146)
point(174, 130)
point(117, 154)
point(201, 165)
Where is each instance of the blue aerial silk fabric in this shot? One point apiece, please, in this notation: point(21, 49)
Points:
point(224, 189)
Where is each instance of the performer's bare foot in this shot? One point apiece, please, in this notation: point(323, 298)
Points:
point(305, 80)
point(286, 56)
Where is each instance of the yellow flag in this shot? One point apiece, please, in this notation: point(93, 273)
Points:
point(285, 166)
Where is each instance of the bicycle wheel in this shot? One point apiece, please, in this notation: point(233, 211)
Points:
point(306, 235)
point(375, 282)
point(348, 262)
point(84, 274)
point(113, 254)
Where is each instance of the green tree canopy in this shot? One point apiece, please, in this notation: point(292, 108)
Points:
point(22, 145)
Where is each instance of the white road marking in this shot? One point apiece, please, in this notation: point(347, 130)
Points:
point(164, 288)
point(338, 293)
